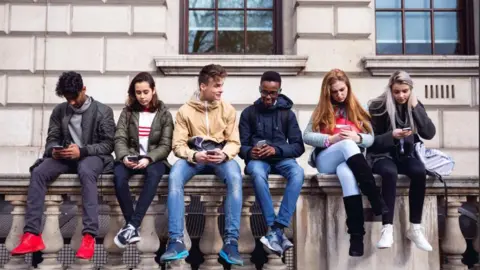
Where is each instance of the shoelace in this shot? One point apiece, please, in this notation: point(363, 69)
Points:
point(172, 242)
point(129, 231)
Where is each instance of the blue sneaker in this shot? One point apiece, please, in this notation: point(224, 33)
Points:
point(230, 252)
point(273, 241)
point(176, 250)
point(286, 244)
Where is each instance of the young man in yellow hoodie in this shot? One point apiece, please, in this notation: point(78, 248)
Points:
point(206, 140)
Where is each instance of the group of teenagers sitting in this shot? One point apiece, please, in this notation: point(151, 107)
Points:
point(348, 139)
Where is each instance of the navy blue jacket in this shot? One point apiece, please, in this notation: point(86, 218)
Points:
point(287, 141)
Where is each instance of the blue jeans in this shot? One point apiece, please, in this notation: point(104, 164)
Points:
point(333, 160)
point(182, 172)
point(287, 168)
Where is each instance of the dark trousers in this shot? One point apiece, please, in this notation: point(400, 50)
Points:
point(153, 173)
point(389, 169)
point(88, 170)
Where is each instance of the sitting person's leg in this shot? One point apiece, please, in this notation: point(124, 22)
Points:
point(121, 176)
point(294, 174)
point(230, 172)
point(180, 174)
point(415, 170)
point(88, 169)
point(352, 200)
point(41, 175)
point(259, 170)
point(387, 169)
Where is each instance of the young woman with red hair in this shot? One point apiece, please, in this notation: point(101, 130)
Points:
point(340, 131)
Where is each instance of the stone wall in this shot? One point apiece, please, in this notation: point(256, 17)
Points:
point(110, 41)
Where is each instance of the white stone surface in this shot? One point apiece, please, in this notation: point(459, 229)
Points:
point(133, 54)
point(19, 122)
point(35, 14)
point(73, 53)
point(102, 19)
point(320, 20)
point(3, 89)
point(31, 89)
point(362, 26)
point(59, 18)
point(107, 89)
point(477, 92)
point(460, 129)
point(41, 121)
point(147, 19)
point(16, 53)
point(435, 142)
point(3, 19)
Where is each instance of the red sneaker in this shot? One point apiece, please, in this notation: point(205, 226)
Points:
point(87, 247)
point(29, 243)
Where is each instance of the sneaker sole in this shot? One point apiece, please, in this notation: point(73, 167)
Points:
point(27, 252)
point(225, 257)
point(134, 240)
point(266, 244)
point(424, 249)
point(117, 242)
point(182, 255)
point(384, 247)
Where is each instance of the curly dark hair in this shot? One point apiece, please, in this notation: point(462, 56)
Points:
point(132, 102)
point(211, 71)
point(69, 84)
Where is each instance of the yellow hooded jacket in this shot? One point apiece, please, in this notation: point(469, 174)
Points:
point(214, 121)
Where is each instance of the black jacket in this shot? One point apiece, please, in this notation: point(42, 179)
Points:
point(384, 144)
point(98, 131)
point(267, 124)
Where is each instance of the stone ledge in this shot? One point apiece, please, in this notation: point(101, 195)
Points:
point(423, 65)
point(349, 3)
point(17, 183)
point(96, 2)
point(181, 65)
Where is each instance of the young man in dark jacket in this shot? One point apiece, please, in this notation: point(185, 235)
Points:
point(80, 140)
point(271, 140)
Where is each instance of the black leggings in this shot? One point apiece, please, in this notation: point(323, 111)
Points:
point(389, 169)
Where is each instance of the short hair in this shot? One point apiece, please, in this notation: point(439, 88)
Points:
point(271, 76)
point(69, 83)
point(211, 71)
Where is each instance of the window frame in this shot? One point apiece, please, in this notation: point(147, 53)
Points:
point(466, 26)
point(276, 27)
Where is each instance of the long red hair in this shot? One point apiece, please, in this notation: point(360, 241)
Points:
point(324, 116)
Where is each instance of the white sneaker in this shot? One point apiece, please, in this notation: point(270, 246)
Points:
point(386, 240)
point(415, 234)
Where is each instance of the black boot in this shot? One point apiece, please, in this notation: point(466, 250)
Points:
point(355, 221)
point(364, 176)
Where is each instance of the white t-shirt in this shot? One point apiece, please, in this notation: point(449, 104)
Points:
point(144, 127)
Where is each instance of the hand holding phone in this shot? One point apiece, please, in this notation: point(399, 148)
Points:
point(132, 158)
point(211, 152)
point(406, 129)
point(261, 143)
point(58, 148)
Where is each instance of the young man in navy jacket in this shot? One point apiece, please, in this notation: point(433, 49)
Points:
point(270, 142)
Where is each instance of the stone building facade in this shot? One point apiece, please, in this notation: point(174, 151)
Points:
point(109, 41)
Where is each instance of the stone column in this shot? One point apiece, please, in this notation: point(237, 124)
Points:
point(16, 232)
point(115, 254)
point(246, 242)
point(453, 244)
point(274, 261)
point(79, 264)
point(149, 243)
point(211, 241)
point(52, 237)
point(182, 264)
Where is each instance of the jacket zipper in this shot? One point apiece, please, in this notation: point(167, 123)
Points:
point(206, 118)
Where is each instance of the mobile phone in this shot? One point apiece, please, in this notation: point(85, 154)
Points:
point(407, 129)
point(58, 147)
point(347, 127)
point(211, 152)
point(261, 143)
point(132, 158)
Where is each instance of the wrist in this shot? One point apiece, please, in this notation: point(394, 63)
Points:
point(194, 158)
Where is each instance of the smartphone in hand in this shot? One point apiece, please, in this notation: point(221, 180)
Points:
point(132, 158)
point(211, 152)
point(58, 147)
point(406, 129)
point(261, 143)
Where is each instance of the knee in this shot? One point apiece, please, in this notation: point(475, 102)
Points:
point(234, 181)
point(348, 145)
point(297, 175)
point(389, 174)
point(175, 182)
point(156, 170)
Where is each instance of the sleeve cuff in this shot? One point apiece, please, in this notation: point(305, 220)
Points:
point(83, 152)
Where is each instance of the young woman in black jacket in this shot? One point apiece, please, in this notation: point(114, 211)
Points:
point(398, 121)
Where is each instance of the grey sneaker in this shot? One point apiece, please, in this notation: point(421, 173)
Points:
point(286, 244)
point(273, 242)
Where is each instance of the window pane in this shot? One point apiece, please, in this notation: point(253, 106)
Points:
point(388, 4)
point(389, 32)
point(445, 3)
point(231, 38)
point(259, 3)
point(201, 31)
point(446, 33)
point(418, 33)
point(417, 3)
point(260, 32)
point(230, 3)
point(201, 3)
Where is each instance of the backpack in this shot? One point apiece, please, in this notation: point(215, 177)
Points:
point(437, 164)
point(252, 117)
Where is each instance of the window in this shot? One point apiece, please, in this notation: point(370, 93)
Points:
point(232, 26)
point(424, 26)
